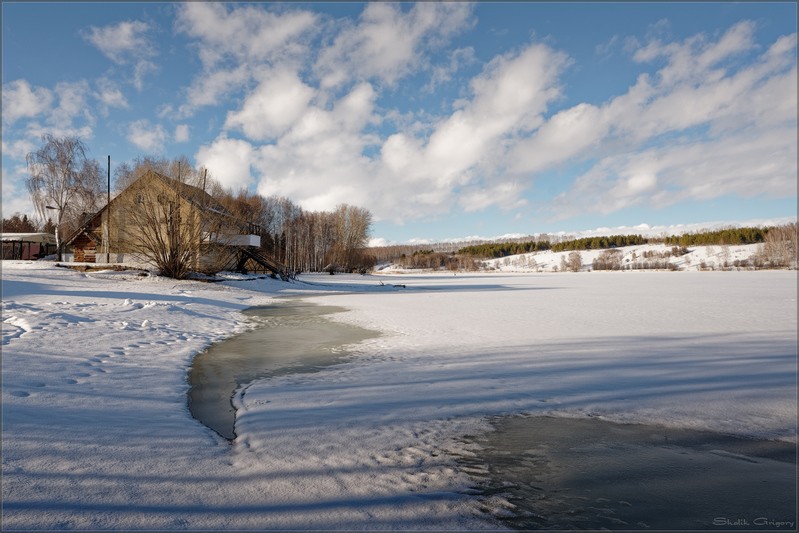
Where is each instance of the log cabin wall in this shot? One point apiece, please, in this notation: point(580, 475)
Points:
point(85, 249)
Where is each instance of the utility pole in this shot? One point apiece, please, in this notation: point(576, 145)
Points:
point(108, 215)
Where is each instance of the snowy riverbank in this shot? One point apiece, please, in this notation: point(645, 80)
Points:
point(97, 434)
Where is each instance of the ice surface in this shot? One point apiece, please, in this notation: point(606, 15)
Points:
point(97, 433)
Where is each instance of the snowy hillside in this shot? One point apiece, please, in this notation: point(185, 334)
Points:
point(697, 258)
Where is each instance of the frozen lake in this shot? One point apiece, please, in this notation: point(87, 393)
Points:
point(97, 433)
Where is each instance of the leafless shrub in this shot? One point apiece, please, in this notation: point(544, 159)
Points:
point(607, 260)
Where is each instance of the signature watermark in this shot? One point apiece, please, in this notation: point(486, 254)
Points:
point(760, 521)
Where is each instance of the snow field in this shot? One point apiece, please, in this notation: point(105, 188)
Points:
point(97, 434)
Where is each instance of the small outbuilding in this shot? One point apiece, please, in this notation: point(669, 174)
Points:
point(27, 246)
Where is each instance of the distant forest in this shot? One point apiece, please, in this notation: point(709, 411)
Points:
point(748, 235)
point(451, 256)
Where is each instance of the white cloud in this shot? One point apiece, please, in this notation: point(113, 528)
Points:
point(248, 33)
point(386, 43)
point(182, 133)
point(505, 194)
point(275, 105)
point(211, 87)
point(319, 162)
point(748, 164)
point(72, 103)
point(228, 161)
point(121, 42)
point(696, 56)
point(21, 100)
point(323, 149)
point(467, 148)
point(15, 197)
point(443, 73)
point(235, 44)
point(321, 146)
point(109, 94)
point(707, 143)
point(126, 43)
point(18, 149)
point(568, 133)
point(146, 136)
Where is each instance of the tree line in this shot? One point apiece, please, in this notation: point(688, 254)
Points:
point(496, 250)
point(729, 236)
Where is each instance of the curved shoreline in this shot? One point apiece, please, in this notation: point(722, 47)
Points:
point(289, 338)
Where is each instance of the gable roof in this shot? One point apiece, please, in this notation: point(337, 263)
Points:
point(194, 195)
point(190, 193)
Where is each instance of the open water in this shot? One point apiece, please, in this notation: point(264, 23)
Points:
point(578, 474)
point(291, 337)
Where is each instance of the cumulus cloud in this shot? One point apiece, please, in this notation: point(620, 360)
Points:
point(662, 176)
point(706, 143)
point(125, 43)
point(387, 42)
point(316, 154)
point(248, 33)
point(228, 161)
point(15, 197)
point(235, 45)
point(208, 89)
point(321, 137)
point(182, 133)
point(21, 100)
point(110, 94)
point(275, 105)
point(466, 149)
point(146, 136)
point(121, 42)
point(320, 160)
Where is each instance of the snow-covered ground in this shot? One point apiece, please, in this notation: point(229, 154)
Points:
point(97, 434)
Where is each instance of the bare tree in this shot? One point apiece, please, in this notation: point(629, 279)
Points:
point(352, 226)
point(164, 222)
point(575, 261)
point(64, 179)
point(780, 246)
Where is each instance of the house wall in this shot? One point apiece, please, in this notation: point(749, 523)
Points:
point(85, 249)
point(117, 229)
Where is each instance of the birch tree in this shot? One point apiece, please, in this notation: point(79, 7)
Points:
point(62, 178)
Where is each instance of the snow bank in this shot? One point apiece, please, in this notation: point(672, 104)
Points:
point(97, 434)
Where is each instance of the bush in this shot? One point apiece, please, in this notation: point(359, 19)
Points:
point(607, 260)
point(575, 262)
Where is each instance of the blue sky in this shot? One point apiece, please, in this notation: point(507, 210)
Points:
point(445, 120)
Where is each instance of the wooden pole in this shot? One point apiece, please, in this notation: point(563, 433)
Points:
point(108, 215)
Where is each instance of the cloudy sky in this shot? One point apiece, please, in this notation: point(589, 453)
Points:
point(445, 120)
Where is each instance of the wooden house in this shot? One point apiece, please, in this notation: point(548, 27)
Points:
point(172, 211)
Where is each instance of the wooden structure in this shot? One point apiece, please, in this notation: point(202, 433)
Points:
point(220, 238)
